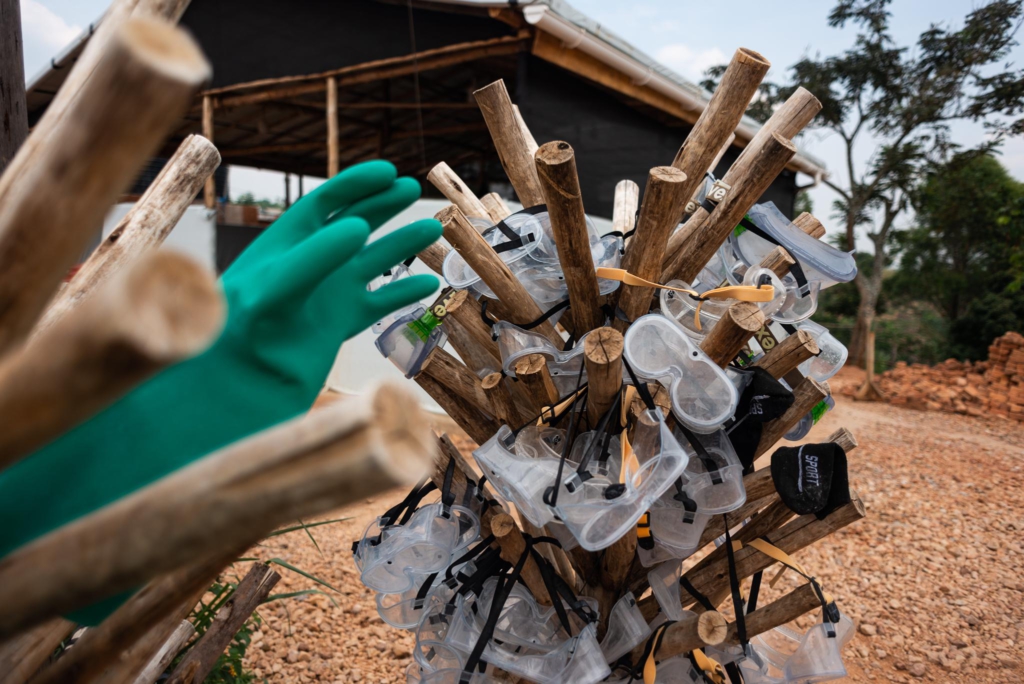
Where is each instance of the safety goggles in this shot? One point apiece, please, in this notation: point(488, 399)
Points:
point(601, 503)
point(714, 473)
point(831, 356)
point(627, 628)
point(513, 239)
point(810, 419)
point(395, 274)
point(702, 395)
point(676, 525)
point(546, 282)
point(796, 298)
point(410, 338)
point(522, 467)
point(515, 343)
point(682, 309)
point(784, 656)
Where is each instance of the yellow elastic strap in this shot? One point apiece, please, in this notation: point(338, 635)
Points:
point(744, 293)
point(628, 458)
point(650, 667)
point(775, 553)
point(643, 526)
point(711, 667)
point(549, 413)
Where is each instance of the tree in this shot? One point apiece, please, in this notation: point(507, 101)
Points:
point(905, 100)
point(968, 226)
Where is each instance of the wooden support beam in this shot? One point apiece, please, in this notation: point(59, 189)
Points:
point(809, 225)
point(13, 110)
point(510, 539)
point(693, 631)
point(454, 376)
point(624, 206)
point(732, 332)
point(333, 155)
point(143, 228)
point(163, 309)
point(61, 188)
point(560, 185)
point(663, 205)
point(801, 600)
point(478, 425)
point(512, 146)
point(434, 256)
point(497, 210)
point(703, 234)
point(788, 354)
point(778, 261)
point(23, 655)
point(465, 240)
point(806, 396)
point(456, 191)
point(602, 355)
point(303, 467)
point(247, 596)
point(532, 373)
point(464, 313)
point(210, 187)
point(500, 400)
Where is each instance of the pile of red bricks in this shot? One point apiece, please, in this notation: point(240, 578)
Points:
point(992, 387)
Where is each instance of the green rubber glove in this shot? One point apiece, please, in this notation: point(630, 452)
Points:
point(294, 296)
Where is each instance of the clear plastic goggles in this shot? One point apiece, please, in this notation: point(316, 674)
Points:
point(395, 558)
point(664, 581)
point(596, 516)
point(408, 341)
point(831, 357)
point(515, 343)
point(793, 302)
point(714, 474)
point(680, 308)
point(522, 468)
point(404, 611)
point(803, 428)
point(626, 629)
point(676, 525)
point(702, 395)
point(578, 660)
point(784, 656)
point(519, 235)
point(755, 276)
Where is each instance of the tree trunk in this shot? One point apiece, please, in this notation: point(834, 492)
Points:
point(13, 114)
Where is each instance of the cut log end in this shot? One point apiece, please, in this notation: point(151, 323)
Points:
point(603, 346)
point(554, 153)
point(712, 627)
point(746, 316)
point(167, 49)
point(502, 525)
point(667, 174)
point(749, 56)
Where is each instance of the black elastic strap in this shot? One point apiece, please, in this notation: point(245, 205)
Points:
point(641, 387)
point(734, 586)
point(710, 464)
point(551, 493)
point(447, 498)
point(692, 591)
point(689, 505)
point(564, 304)
point(604, 439)
point(421, 595)
point(755, 589)
point(512, 239)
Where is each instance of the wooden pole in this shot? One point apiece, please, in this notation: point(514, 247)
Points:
point(497, 210)
point(247, 596)
point(479, 426)
point(23, 655)
point(163, 309)
point(721, 116)
point(210, 186)
point(333, 154)
point(510, 539)
point(456, 191)
point(13, 111)
point(869, 391)
point(452, 374)
point(532, 372)
point(732, 332)
point(801, 600)
point(166, 653)
point(806, 396)
point(693, 631)
point(602, 355)
point(788, 354)
point(434, 256)
point(305, 466)
point(514, 149)
point(626, 202)
point(748, 179)
point(143, 228)
point(659, 215)
point(58, 198)
point(778, 261)
point(500, 400)
point(531, 143)
point(809, 225)
point(465, 316)
point(465, 240)
point(556, 167)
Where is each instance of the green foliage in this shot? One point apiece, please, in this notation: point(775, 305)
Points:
point(264, 202)
point(985, 319)
point(228, 669)
point(803, 203)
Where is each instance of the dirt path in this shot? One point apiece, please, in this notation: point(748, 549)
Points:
point(933, 575)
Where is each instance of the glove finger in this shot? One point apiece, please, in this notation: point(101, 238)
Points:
point(394, 248)
point(401, 293)
point(354, 184)
point(305, 266)
point(379, 208)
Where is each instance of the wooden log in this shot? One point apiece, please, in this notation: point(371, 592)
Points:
point(806, 396)
point(143, 228)
point(510, 539)
point(453, 375)
point(475, 358)
point(553, 554)
point(762, 523)
point(778, 261)
point(434, 256)
point(602, 355)
point(721, 116)
point(732, 332)
point(492, 270)
point(777, 613)
point(512, 146)
point(333, 154)
point(333, 456)
point(809, 225)
point(479, 426)
point(58, 197)
point(210, 186)
point(556, 168)
point(161, 310)
point(166, 653)
point(13, 110)
point(247, 596)
point(788, 354)
point(497, 210)
point(693, 631)
point(457, 192)
point(616, 561)
point(625, 204)
point(703, 234)
point(844, 439)
point(23, 655)
point(721, 153)
point(659, 215)
point(160, 605)
point(501, 401)
point(531, 143)
point(464, 313)
point(532, 373)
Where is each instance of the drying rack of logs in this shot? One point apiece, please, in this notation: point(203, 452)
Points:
point(657, 251)
point(70, 349)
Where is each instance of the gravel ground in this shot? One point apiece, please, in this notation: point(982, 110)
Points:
point(932, 576)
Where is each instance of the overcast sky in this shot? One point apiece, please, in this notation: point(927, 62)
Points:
point(685, 35)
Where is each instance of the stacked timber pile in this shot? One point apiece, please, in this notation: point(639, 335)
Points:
point(992, 387)
point(621, 390)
